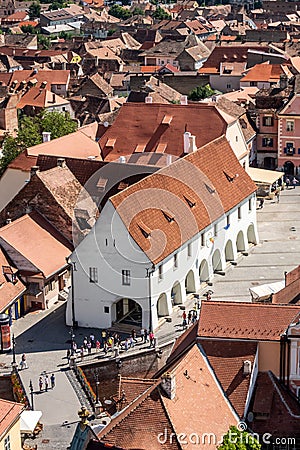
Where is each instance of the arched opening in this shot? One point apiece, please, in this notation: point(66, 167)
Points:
point(128, 312)
point(269, 163)
point(240, 242)
point(162, 305)
point(289, 168)
point(251, 234)
point(176, 294)
point(229, 251)
point(203, 271)
point(190, 282)
point(216, 261)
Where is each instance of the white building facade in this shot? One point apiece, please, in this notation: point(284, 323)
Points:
point(160, 239)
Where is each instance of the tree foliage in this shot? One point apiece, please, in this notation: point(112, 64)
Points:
point(239, 440)
point(34, 10)
point(29, 29)
point(30, 133)
point(201, 92)
point(120, 12)
point(44, 41)
point(138, 11)
point(161, 14)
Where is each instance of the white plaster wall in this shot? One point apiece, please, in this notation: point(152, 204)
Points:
point(110, 249)
point(11, 182)
point(238, 143)
point(220, 82)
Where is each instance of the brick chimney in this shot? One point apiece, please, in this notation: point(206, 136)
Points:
point(168, 384)
point(34, 170)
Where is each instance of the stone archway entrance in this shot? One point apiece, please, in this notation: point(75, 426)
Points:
point(128, 312)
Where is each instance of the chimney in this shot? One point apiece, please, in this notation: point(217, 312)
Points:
point(148, 99)
point(283, 82)
point(247, 367)
point(46, 136)
point(34, 170)
point(61, 162)
point(184, 100)
point(186, 141)
point(168, 384)
point(122, 159)
point(193, 146)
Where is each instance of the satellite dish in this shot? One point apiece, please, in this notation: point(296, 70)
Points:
point(106, 124)
point(250, 416)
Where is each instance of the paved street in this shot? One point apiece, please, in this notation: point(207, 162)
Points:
point(44, 337)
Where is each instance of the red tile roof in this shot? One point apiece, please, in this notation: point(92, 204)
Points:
point(281, 411)
point(194, 191)
point(23, 162)
point(140, 123)
point(8, 291)
point(150, 69)
point(231, 320)
point(9, 413)
point(226, 54)
point(49, 76)
point(36, 244)
point(40, 98)
point(264, 72)
point(226, 359)
point(197, 395)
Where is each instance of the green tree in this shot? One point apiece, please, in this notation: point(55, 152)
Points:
point(239, 440)
point(29, 29)
point(161, 14)
point(138, 12)
point(201, 92)
point(44, 41)
point(34, 10)
point(10, 150)
point(58, 124)
point(30, 133)
point(119, 12)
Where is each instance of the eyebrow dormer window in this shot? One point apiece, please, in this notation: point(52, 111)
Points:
point(189, 201)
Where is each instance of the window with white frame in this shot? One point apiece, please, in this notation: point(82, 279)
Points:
point(290, 125)
point(268, 121)
point(202, 240)
point(7, 445)
point(175, 260)
point(126, 277)
point(189, 249)
point(93, 275)
point(160, 272)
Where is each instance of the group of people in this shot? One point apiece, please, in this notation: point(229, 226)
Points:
point(192, 316)
point(44, 382)
point(290, 182)
point(111, 342)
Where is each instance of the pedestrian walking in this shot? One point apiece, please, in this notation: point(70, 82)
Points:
point(68, 354)
point(46, 381)
point(146, 335)
point(89, 347)
point(126, 345)
point(184, 324)
point(41, 384)
point(295, 181)
point(81, 353)
point(261, 203)
point(85, 341)
point(98, 346)
point(23, 363)
point(287, 182)
point(52, 379)
point(92, 339)
point(103, 337)
point(116, 350)
point(278, 195)
point(142, 334)
point(189, 318)
point(151, 337)
point(133, 335)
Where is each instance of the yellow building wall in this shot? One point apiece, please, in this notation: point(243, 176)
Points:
point(269, 357)
point(15, 437)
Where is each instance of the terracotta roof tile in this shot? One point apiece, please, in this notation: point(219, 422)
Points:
point(245, 320)
point(200, 192)
point(8, 291)
point(264, 72)
point(9, 412)
point(50, 76)
point(139, 123)
point(226, 359)
point(36, 244)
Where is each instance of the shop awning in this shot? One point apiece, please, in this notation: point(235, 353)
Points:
point(264, 291)
point(29, 420)
point(264, 176)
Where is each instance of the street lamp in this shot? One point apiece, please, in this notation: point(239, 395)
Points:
point(72, 266)
point(31, 393)
point(149, 272)
point(14, 364)
point(72, 335)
